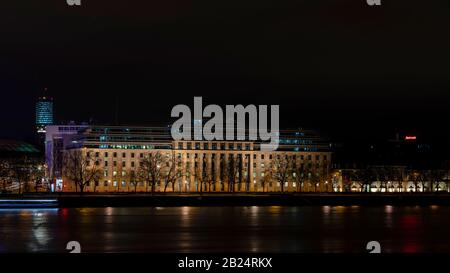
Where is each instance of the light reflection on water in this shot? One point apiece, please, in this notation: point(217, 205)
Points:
point(227, 229)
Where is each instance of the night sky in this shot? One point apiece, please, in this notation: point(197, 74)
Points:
point(347, 69)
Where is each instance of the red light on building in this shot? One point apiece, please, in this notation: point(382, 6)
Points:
point(410, 138)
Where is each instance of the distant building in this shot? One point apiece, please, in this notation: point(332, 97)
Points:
point(20, 160)
point(57, 138)
point(44, 112)
point(10, 149)
point(406, 163)
point(404, 150)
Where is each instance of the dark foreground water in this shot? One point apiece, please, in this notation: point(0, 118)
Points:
point(227, 229)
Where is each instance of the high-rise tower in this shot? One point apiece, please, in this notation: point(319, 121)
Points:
point(44, 112)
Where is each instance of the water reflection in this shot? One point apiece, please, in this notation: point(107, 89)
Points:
point(226, 229)
point(388, 218)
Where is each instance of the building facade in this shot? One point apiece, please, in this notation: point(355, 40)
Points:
point(120, 154)
point(57, 138)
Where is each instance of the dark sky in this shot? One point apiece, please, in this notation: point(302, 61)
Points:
point(339, 66)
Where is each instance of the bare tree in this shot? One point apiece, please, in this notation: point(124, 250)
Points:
point(170, 170)
point(268, 177)
point(212, 175)
point(5, 174)
point(300, 180)
point(203, 175)
point(354, 176)
point(413, 176)
point(21, 173)
point(233, 167)
point(96, 179)
point(365, 177)
point(223, 174)
point(383, 175)
point(80, 168)
point(301, 174)
point(37, 176)
point(282, 166)
point(150, 170)
point(422, 178)
point(315, 180)
point(436, 177)
point(121, 174)
point(134, 180)
point(446, 166)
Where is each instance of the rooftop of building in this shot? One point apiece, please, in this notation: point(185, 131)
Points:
point(138, 137)
point(12, 146)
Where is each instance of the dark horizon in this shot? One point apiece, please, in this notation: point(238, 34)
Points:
point(351, 71)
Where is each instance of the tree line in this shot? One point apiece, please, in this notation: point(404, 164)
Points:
point(22, 174)
point(166, 170)
point(396, 178)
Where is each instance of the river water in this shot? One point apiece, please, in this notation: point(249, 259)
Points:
point(318, 229)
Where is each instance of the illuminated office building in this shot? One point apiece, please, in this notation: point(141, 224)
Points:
point(301, 163)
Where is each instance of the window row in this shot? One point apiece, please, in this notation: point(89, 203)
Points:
point(214, 146)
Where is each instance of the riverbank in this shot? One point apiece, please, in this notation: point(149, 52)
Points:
point(241, 199)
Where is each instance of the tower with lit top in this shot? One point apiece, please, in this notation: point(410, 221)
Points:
point(44, 112)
